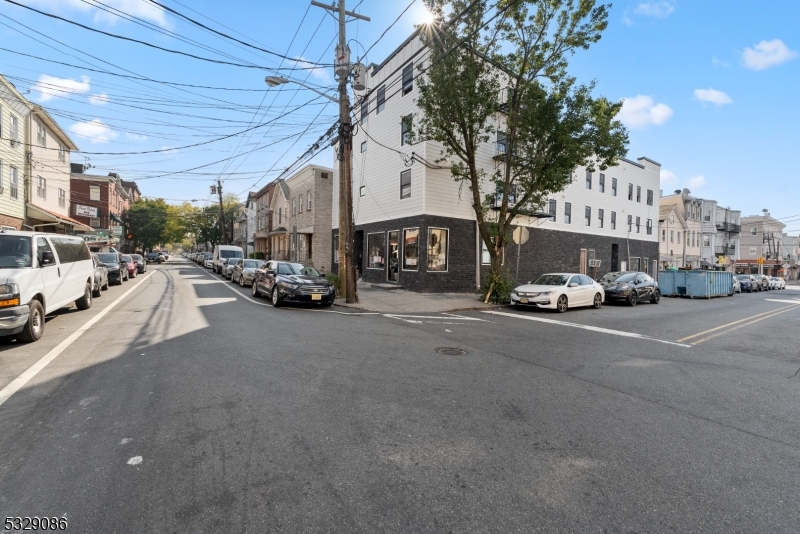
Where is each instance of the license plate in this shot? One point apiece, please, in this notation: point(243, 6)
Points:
point(316, 297)
point(524, 301)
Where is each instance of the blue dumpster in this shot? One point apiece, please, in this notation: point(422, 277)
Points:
point(695, 284)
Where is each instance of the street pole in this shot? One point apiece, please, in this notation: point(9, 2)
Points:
point(347, 272)
point(222, 214)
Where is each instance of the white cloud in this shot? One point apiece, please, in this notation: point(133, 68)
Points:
point(50, 87)
point(318, 72)
point(698, 182)
point(137, 8)
point(660, 9)
point(135, 137)
point(641, 111)
point(95, 130)
point(718, 62)
point(712, 96)
point(668, 177)
point(767, 54)
point(100, 99)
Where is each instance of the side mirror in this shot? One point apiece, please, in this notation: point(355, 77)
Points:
point(574, 284)
point(48, 258)
point(529, 281)
point(102, 265)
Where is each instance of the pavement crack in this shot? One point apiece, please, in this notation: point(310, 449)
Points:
point(794, 375)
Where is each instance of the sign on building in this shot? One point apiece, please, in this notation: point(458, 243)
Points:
point(85, 211)
point(117, 231)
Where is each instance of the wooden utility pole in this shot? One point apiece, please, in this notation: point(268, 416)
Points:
point(347, 268)
point(221, 213)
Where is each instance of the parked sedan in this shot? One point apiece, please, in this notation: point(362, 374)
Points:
point(208, 260)
point(745, 283)
point(244, 270)
point(141, 263)
point(287, 281)
point(227, 267)
point(775, 282)
point(132, 268)
point(100, 276)
point(631, 287)
point(559, 291)
point(762, 281)
point(117, 268)
point(153, 257)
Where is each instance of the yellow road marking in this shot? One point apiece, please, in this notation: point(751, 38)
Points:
point(733, 323)
point(712, 336)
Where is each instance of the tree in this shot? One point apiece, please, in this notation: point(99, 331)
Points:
point(508, 66)
point(148, 221)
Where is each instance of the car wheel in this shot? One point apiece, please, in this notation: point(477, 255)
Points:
point(105, 287)
point(96, 291)
point(656, 297)
point(241, 280)
point(256, 294)
point(562, 304)
point(85, 302)
point(277, 301)
point(597, 303)
point(633, 299)
point(34, 328)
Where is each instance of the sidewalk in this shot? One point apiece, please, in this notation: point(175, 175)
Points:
point(375, 299)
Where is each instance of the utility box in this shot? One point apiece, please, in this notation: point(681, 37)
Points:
point(695, 284)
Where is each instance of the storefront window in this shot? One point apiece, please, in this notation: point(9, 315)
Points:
point(411, 249)
point(376, 251)
point(437, 249)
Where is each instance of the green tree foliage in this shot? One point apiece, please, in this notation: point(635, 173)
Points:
point(503, 70)
point(148, 221)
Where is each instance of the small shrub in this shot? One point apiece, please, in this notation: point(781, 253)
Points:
point(500, 284)
point(333, 279)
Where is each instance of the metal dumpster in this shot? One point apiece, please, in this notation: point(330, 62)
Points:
point(695, 284)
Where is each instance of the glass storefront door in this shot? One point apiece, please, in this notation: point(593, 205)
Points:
point(393, 256)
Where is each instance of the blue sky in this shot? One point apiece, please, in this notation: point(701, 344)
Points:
point(709, 88)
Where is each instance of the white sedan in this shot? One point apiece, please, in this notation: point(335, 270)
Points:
point(559, 291)
point(775, 282)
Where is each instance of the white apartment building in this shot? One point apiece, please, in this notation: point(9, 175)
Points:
point(761, 238)
point(690, 243)
point(672, 231)
point(415, 226)
point(14, 112)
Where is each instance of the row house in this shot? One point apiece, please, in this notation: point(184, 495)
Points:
point(721, 234)
point(244, 226)
point(761, 240)
point(99, 201)
point(301, 217)
point(415, 226)
point(689, 242)
point(672, 231)
point(261, 203)
point(14, 113)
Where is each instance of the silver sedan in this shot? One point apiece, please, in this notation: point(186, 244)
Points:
point(244, 270)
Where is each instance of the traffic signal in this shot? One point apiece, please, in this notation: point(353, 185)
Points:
point(129, 236)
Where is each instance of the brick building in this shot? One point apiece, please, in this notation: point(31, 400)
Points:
point(99, 202)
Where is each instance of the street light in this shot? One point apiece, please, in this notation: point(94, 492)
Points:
point(274, 81)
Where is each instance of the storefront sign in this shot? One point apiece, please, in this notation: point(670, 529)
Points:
point(85, 211)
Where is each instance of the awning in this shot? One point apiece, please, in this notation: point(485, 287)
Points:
point(279, 231)
point(47, 216)
point(306, 230)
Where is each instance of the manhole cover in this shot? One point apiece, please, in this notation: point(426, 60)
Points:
point(451, 351)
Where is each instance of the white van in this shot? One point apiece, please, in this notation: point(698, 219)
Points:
point(224, 252)
point(40, 273)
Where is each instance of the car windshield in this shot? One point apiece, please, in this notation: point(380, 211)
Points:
point(626, 277)
point(297, 269)
point(15, 252)
point(230, 254)
point(743, 277)
point(108, 258)
point(136, 257)
point(127, 259)
point(252, 264)
point(610, 277)
point(551, 280)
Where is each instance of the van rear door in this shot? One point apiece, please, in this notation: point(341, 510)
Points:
point(51, 275)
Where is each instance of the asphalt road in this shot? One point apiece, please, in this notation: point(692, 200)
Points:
point(188, 406)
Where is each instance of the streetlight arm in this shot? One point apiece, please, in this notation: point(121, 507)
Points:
point(274, 81)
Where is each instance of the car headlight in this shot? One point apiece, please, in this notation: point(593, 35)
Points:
point(514, 292)
point(113, 267)
point(289, 286)
point(9, 295)
point(9, 289)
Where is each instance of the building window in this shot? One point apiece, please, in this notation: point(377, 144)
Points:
point(613, 220)
point(649, 226)
point(649, 197)
point(600, 214)
point(679, 237)
point(754, 231)
point(62, 198)
point(13, 183)
point(602, 185)
point(2, 181)
point(411, 249)
point(638, 193)
point(336, 248)
point(381, 99)
point(294, 207)
point(363, 147)
point(405, 184)
point(707, 217)
point(630, 191)
point(41, 190)
point(94, 192)
point(567, 212)
point(588, 179)
point(308, 201)
point(613, 187)
point(752, 251)
point(672, 236)
point(663, 236)
point(61, 153)
point(300, 204)
point(94, 222)
point(364, 110)
point(486, 259)
point(280, 215)
point(408, 78)
point(376, 250)
point(362, 191)
point(706, 241)
point(14, 133)
point(405, 130)
point(551, 208)
point(437, 249)
point(630, 223)
point(502, 142)
point(41, 134)
point(638, 224)
point(587, 216)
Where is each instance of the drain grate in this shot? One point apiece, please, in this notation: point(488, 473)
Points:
point(451, 351)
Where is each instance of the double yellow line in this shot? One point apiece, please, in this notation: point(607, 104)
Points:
point(747, 321)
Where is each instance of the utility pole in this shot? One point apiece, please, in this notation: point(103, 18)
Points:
point(347, 272)
point(218, 188)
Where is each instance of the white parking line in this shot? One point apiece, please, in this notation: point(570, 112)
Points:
point(34, 369)
point(620, 333)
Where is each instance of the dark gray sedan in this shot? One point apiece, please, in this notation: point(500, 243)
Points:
point(244, 270)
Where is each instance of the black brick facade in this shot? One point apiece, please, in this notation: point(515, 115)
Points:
point(545, 251)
